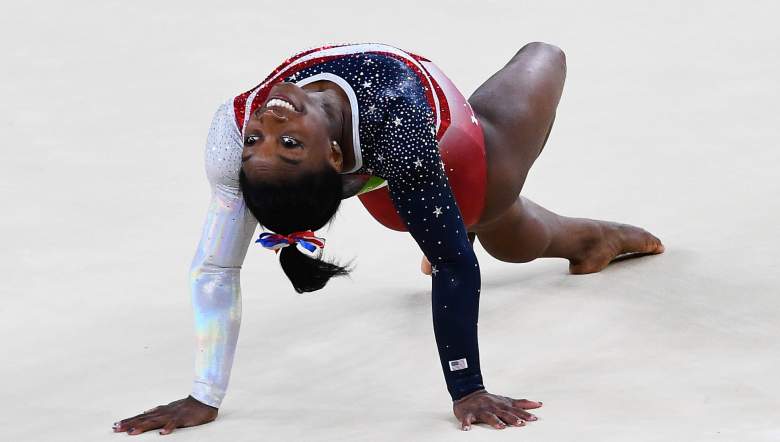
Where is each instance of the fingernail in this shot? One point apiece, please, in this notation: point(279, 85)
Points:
point(467, 428)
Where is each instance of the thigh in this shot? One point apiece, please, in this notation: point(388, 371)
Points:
point(516, 107)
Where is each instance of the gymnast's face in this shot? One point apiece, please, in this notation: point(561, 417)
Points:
point(290, 134)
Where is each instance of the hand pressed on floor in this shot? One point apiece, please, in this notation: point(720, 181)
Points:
point(186, 412)
point(496, 411)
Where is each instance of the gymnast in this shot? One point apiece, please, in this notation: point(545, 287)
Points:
point(388, 126)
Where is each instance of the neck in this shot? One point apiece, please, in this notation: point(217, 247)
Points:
point(345, 132)
point(342, 109)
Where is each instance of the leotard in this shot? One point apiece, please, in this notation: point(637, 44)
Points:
point(401, 114)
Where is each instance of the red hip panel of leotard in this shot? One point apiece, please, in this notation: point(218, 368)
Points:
point(462, 150)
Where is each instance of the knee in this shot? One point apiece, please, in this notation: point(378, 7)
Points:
point(550, 50)
point(541, 46)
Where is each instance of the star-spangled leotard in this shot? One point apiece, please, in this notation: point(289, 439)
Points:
point(397, 117)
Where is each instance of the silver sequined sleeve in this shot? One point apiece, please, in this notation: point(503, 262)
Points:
point(215, 270)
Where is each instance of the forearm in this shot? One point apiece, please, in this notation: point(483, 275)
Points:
point(455, 307)
point(216, 301)
point(215, 289)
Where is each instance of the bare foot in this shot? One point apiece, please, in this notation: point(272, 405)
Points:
point(425, 266)
point(611, 240)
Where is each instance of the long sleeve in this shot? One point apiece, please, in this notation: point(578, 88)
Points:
point(420, 191)
point(215, 270)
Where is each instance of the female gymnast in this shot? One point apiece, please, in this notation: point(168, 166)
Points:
point(385, 124)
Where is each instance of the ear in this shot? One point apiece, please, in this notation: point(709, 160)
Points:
point(335, 156)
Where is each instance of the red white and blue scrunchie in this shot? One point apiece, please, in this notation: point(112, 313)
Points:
point(305, 241)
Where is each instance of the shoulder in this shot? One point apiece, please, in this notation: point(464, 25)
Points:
point(223, 147)
point(224, 119)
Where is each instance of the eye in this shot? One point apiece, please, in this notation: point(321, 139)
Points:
point(251, 140)
point(289, 142)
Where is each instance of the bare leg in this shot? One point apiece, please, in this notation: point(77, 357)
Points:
point(516, 107)
point(528, 231)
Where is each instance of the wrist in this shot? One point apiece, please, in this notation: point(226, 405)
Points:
point(470, 395)
point(465, 384)
point(202, 403)
point(207, 393)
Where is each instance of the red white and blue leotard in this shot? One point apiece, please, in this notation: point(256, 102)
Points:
point(412, 128)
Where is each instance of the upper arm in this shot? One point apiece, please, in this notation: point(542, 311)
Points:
point(418, 185)
point(229, 226)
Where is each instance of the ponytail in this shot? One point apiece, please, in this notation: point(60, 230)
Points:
point(308, 274)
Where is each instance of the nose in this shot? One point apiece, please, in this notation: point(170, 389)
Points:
point(255, 152)
point(273, 115)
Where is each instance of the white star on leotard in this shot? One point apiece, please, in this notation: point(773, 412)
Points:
point(433, 130)
point(367, 84)
point(371, 109)
point(368, 61)
point(380, 157)
point(418, 163)
point(473, 119)
point(397, 121)
point(437, 212)
point(434, 270)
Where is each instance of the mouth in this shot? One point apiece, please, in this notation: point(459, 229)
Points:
point(281, 102)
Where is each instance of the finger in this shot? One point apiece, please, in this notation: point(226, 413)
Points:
point(525, 404)
point(492, 420)
point(134, 417)
point(152, 409)
point(124, 424)
point(149, 424)
point(526, 416)
point(510, 418)
point(169, 426)
point(468, 419)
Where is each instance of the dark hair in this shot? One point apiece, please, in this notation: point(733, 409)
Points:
point(305, 202)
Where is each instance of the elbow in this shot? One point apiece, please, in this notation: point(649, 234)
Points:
point(464, 259)
point(200, 268)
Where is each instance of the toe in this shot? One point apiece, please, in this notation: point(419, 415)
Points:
point(658, 246)
point(583, 268)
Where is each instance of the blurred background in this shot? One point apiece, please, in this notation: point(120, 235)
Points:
point(668, 121)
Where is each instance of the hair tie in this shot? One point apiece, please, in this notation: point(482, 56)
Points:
point(305, 241)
